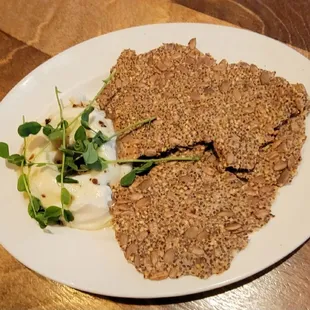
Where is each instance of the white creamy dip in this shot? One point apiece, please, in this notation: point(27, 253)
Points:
point(92, 196)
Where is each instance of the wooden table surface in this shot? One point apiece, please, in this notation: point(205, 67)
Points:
point(33, 31)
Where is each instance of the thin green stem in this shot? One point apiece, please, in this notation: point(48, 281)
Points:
point(63, 145)
point(59, 105)
point(105, 83)
point(28, 191)
point(74, 151)
point(156, 160)
point(131, 127)
point(62, 169)
point(46, 164)
point(23, 174)
point(79, 156)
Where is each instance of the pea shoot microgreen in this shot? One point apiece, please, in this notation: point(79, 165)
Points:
point(65, 196)
point(4, 150)
point(80, 134)
point(76, 158)
point(132, 127)
point(29, 128)
point(148, 164)
point(35, 208)
point(85, 117)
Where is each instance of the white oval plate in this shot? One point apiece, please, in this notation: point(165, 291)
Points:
point(93, 261)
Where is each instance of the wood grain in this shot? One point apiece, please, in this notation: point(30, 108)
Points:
point(32, 31)
point(60, 24)
point(286, 21)
point(17, 59)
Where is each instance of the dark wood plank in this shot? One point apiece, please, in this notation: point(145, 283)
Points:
point(16, 61)
point(287, 21)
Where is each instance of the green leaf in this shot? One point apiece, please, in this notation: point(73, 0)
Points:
point(48, 129)
point(40, 218)
point(68, 216)
point(69, 161)
point(16, 159)
point(65, 197)
point(144, 168)
point(53, 220)
point(99, 165)
point(90, 155)
point(103, 162)
point(4, 150)
point(67, 151)
point(128, 179)
point(30, 211)
point(55, 135)
point(80, 134)
point(70, 180)
point(21, 186)
point(85, 117)
point(52, 212)
point(100, 138)
point(66, 180)
point(36, 205)
point(65, 123)
point(79, 146)
point(29, 128)
point(95, 166)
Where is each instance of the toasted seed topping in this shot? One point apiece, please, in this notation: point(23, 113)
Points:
point(136, 196)
point(145, 184)
point(265, 77)
point(232, 226)
point(144, 202)
point(192, 232)
point(192, 43)
point(203, 102)
point(197, 251)
point(237, 94)
point(226, 213)
point(280, 165)
point(161, 275)
point(283, 178)
point(190, 218)
point(169, 256)
point(142, 235)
